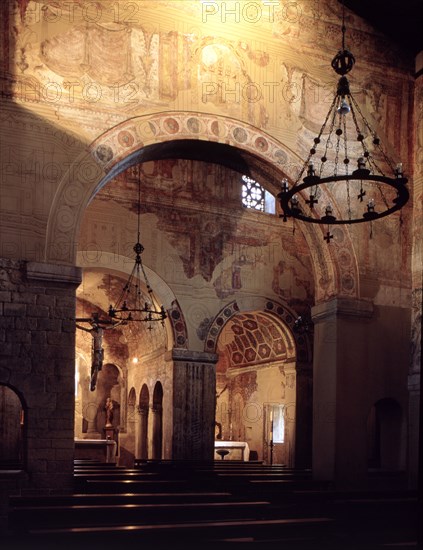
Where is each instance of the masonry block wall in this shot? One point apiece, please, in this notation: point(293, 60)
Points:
point(37, 360)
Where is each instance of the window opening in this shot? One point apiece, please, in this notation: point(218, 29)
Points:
point(256, 197)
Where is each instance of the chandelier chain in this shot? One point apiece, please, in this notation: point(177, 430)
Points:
point(376, 140)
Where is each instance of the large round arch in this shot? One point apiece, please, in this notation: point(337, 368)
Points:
point(146, 138)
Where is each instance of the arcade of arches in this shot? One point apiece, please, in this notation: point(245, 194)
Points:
point(172, 104)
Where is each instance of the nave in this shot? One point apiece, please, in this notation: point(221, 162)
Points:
point(220, 504)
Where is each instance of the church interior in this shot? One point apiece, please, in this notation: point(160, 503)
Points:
point(211, 273)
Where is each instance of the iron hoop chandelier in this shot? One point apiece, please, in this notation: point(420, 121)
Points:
point(132, 304)
point(384, 193)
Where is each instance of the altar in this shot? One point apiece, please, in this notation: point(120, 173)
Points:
point(237, 450)
point(102, 450)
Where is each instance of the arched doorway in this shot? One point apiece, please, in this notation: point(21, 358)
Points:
point(12, 422)
point(256, 384)
point(157, 422)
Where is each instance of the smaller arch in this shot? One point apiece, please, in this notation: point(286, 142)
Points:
point(176, 327)
point(158, 395)
point(12, 428)
point(144, 399)
point(298, 345)
point(132, 399)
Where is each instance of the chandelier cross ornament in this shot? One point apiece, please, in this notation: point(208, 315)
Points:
point(375, 176)
point(132, 304)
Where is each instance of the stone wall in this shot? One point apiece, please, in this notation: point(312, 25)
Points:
point(37, 360)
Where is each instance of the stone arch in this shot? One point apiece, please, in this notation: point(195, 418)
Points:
point(12, 427)
point(124, 144)
point(298, 345)
point(144, 399)
point(132, 399)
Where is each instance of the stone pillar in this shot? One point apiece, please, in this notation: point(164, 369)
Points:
point(339, 362)
point(303, 411)
point(290, 413)
point(361, 356)
point(37, 331)
point(137, 434)
point(194, 395)
point(143, 423)
point(157, 432)
point(415, 431)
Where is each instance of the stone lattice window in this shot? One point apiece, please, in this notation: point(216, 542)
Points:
point(256, 197)
point(252, 194)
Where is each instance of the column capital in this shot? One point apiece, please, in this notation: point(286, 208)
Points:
point(194, 356)
point(140, 411)
point(54, 273)
point(342, 307)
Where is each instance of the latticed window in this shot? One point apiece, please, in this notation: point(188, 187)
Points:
point(252, 194)
point(256, 197)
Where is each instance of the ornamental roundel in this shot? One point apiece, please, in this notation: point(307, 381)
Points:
point(281, 156)
point(125, 138)
point(194, 125)
point(171, 125)
point(261, 144)
point(104, 153)
point(240, 135)
point(218, 128)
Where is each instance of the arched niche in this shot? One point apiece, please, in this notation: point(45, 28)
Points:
point(256, 383)
point(101, 265)
point(12, 428)
point(298, 345)
point(131, 411)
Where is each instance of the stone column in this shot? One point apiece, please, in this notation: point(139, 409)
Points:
point(137, 434)
point(339, 362)
point(303, 411)
point(290, 413)
point(157, 432)
point(143, 422)
point(194, 395)
point(415, 430)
